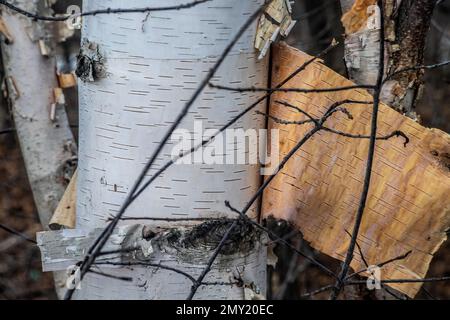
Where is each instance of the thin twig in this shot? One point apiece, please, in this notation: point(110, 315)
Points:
point(423, 67)
point(287, 104)
point(423, 280)
point(290, 275)
point(293, 271)
point(379, 265)
point(166, 219)
point(296, 90)
point(111, 276)
point(146, 264)
point(428, 293)
point(6, 131)
point(119, 251)
point(396, 133)
point(320, 290)
point(35, 16)
point(17, 233)
point(284, 122)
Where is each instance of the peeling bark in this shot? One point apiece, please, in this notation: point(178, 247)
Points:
point(408, 205)
point(65, 214)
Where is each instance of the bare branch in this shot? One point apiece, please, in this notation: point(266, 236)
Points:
point(296, 90)
point(35, 16)
point(17, 233)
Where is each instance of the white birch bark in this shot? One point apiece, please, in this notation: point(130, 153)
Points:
point(153, 65)
point(362, 50)
point(48, 147)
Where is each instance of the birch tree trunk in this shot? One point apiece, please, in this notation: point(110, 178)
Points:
point(410, 23)
point(47, 146)
point(147, 68)
point(406, 26)
point(361, 41)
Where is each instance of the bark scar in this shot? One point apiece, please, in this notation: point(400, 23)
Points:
point(91, 64)
point(209, 234)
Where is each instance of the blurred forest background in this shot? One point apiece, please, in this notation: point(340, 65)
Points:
point(318, 23)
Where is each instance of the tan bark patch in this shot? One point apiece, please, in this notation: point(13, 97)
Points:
point(65, 214)
point(355, 19)
point(319, 189)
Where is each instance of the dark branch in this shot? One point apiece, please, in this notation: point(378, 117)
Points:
point(6, 131)
point(370, 157)
point(320, 290)
point(423, 280)
point(146, 264)
point(396, 133)
point(287, 104)
point(424, 67)
point(99, 12)
point(165, 219)
point(106, 275)
point(284, 122)
point(381, 264)
point(17, 233)
point(296, 90)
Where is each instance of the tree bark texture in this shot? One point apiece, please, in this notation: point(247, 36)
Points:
point(48, 147)
point(411, 25)
point(147, 68)
point(406, 26)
